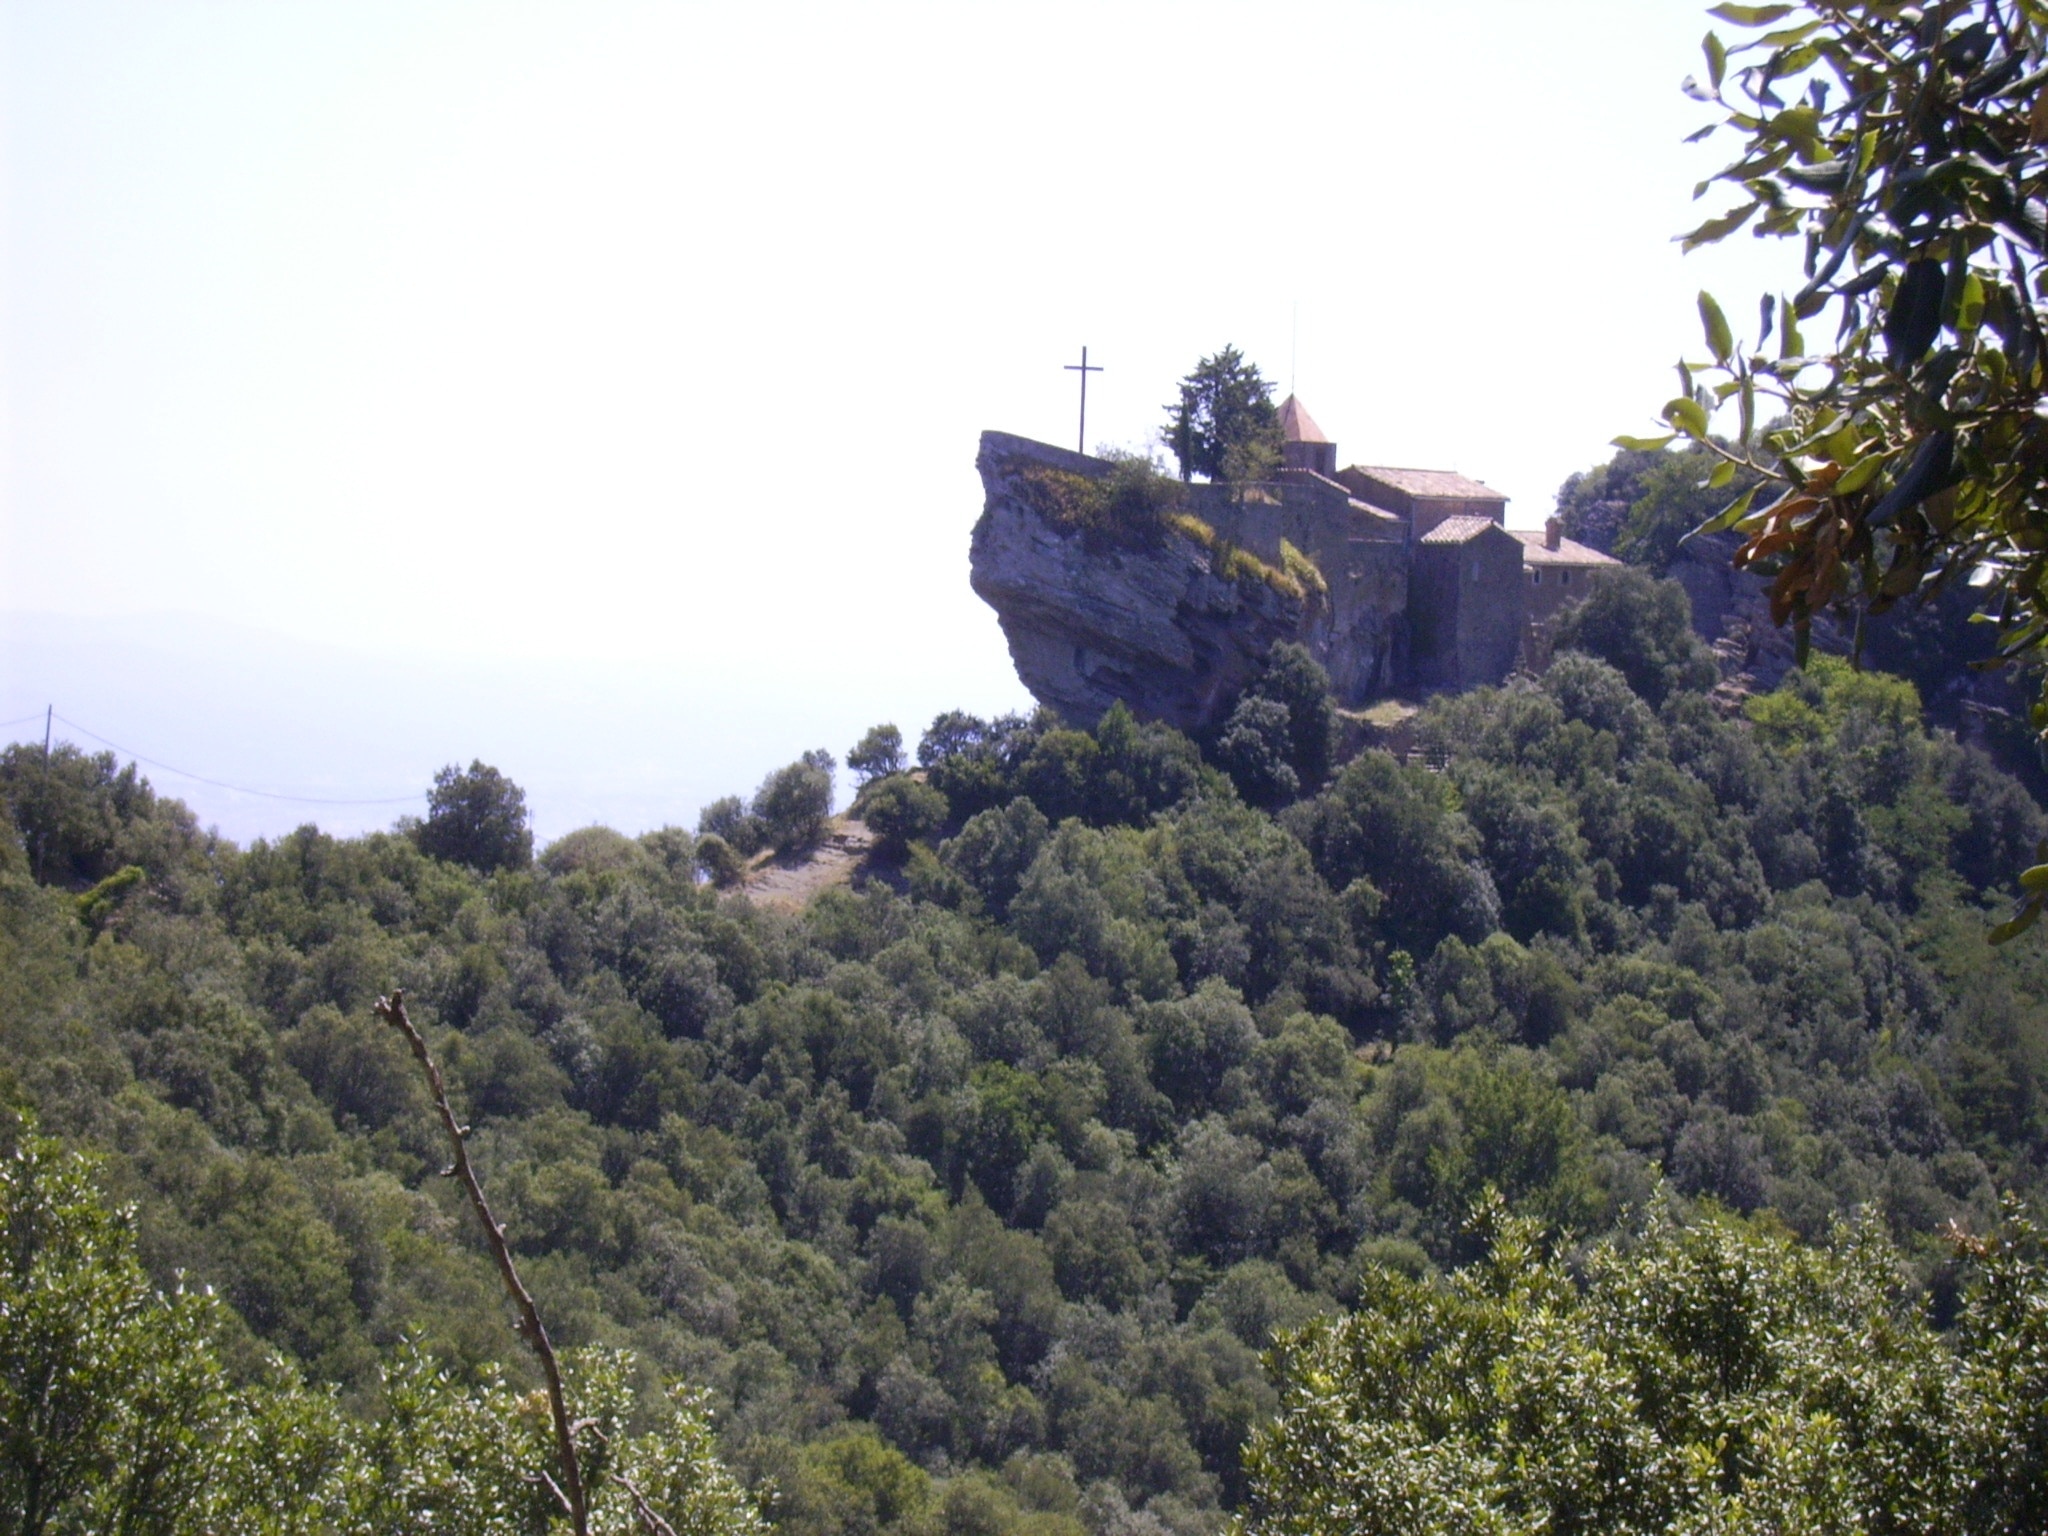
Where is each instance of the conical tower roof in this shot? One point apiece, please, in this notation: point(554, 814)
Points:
point(1296, 425)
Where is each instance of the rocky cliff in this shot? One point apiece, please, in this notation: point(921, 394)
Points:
point(1172, 623)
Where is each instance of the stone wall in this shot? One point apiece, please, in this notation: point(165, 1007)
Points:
point(1466, 603)
point(1364, 561)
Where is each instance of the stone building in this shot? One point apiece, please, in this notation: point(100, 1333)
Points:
point(1481, 596)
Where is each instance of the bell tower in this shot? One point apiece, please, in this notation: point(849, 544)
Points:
point(1303, 445)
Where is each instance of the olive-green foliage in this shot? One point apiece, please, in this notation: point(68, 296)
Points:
point(1642, 627)
point(1711, 1375)
point(476, 816)
point(82, 817)
point(1277, 741)
point(728, 819)
point(793, 802)
point(723, 865)
point(901, 810)
point(998, 1172)
point(1223, 425)
point(116, 1412)
point(877, 754)
point(1641, 503)
point(1131, 503)
point(105, 1395)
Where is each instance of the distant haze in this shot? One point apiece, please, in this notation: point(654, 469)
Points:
point(593, 388)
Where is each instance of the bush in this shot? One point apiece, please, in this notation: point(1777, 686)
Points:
point(1253, 751)
point(877, 754)
point(729, 820)
point(1129, 505)
point(793, 803)
point(720, 861)
point(900, 811)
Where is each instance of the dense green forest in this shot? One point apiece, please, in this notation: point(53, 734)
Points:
point(970, 1197)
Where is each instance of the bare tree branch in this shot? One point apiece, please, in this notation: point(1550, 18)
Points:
point(392, 1011)
point(656, 1526)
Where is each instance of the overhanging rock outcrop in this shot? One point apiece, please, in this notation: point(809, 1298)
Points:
point(1174, 625)
point(1155, 622)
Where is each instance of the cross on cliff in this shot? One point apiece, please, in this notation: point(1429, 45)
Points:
point(1083, 369)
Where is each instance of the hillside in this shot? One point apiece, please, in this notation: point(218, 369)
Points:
point(973, 1195)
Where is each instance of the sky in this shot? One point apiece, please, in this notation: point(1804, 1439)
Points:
point(592, 388)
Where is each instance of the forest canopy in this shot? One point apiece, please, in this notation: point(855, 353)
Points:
point(970, 1198)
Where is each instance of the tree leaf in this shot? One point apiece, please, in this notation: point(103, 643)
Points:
point(1751, 15)
point(1717, 58)
point(1720, 341)
point(1914, 319)
point(1686, 414)
point(1728, 516)
point(1721, 474)
point(1718, 229)
point(1970, 309)
point(1860, 474)
point(1645, 444)
point(1790, 343)
point(2016, 925)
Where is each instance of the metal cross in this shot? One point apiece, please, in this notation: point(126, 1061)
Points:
point(1083, 369)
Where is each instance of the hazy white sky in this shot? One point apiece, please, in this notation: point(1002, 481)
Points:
point(650, 342)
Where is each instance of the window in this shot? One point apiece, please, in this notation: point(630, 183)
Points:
point(1535, 578)
point(1564, 578)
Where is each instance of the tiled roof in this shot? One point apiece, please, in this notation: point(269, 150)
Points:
point(1458, 530)
point(1568, 551)
point(1296, 425)
point(1442, 483)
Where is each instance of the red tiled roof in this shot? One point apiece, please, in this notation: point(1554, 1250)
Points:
point(1296, 425)
point(1458, 530)
point(1431, 483)
point(1568, 551)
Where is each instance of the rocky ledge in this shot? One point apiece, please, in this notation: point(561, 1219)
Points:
point(1169, 624)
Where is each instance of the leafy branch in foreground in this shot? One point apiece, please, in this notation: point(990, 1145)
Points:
point(1904, 145)
point(1716, 1375)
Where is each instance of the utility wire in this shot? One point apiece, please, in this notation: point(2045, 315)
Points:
point(201, 778)
point(8, 725)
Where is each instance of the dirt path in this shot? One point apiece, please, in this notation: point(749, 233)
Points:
point(797, 881)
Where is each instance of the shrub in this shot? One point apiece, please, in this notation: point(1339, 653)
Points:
point(900, 811)
point(720, 861)
point(1129, 504)
point(877, 754)
point(729, 820)
point(793, 802)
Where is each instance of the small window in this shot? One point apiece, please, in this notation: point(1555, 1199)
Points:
point(1535, 578)
point(1564, 578)
point(1475, 570)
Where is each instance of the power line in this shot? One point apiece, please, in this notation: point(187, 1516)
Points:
point(7, 725)
point(200, 778)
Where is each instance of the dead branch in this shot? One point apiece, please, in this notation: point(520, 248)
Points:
point(656, 1526)
point(570, 1491)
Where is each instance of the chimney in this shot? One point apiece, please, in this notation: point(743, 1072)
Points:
point(1553, 532)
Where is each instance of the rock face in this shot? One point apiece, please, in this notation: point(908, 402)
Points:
point(1155, 624)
